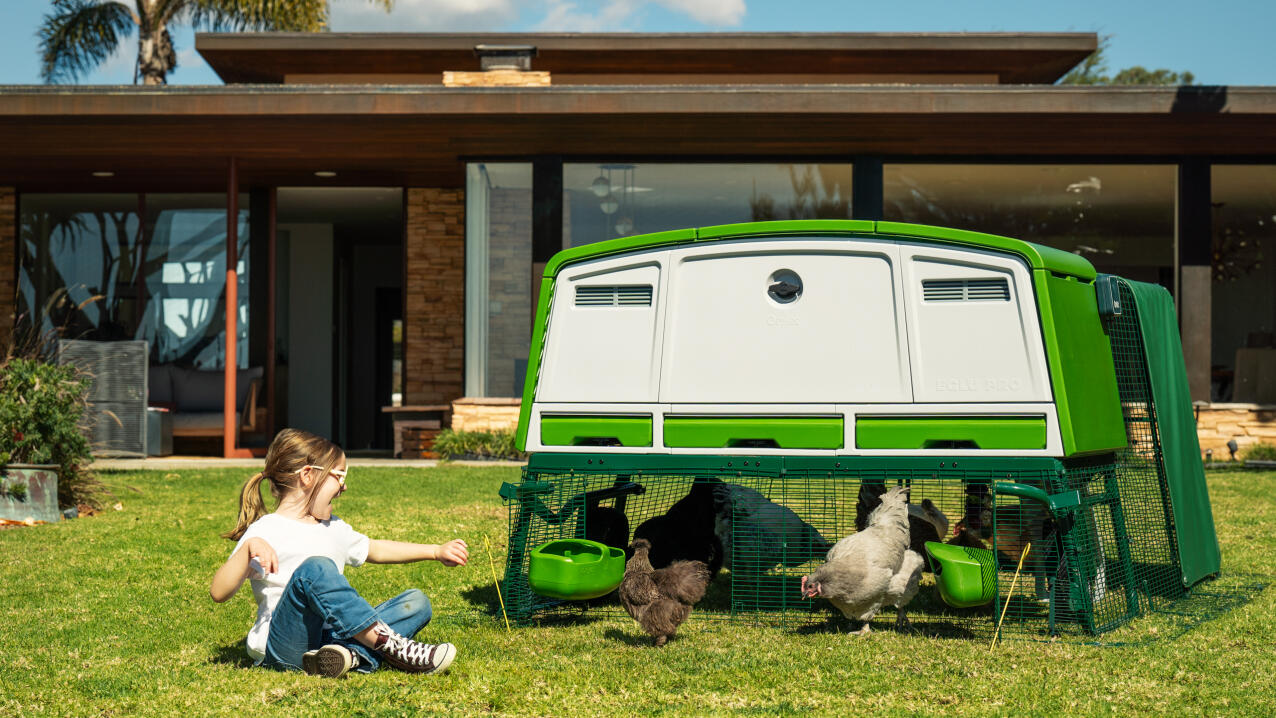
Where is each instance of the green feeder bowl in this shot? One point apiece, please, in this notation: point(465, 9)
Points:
point(966, 576)
point(575, 569)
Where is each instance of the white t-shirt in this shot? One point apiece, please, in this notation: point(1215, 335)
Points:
point(294, 542)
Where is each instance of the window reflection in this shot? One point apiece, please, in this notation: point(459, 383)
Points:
point(133, 266)
point(1120, 217)
point(607, 200)
point(1243, 302)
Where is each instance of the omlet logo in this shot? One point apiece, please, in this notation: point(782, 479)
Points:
point(773, 320)
point(993, 384)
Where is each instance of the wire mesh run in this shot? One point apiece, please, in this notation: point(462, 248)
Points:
point(762, 530)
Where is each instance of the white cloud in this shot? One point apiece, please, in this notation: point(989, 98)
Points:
point(422, 15)
point(721, 13)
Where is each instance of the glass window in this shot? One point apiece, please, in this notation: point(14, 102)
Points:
point(499, 294)
point(608, 200)
point(1243, 302)
point(133, 266)
point(1120, 217)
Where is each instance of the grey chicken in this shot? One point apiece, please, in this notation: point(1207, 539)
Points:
point(660, 599)
point(873, 568)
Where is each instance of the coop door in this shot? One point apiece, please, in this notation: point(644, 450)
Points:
point(787, 322)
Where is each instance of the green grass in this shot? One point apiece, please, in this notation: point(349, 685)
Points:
point(110, 616)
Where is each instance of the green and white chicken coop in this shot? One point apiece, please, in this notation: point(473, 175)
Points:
point(785, 371)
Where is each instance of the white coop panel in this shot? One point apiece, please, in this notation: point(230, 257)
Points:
point(604, 332)
point(974, 334)
point(837, 335)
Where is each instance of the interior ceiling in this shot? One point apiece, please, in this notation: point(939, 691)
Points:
point(330, 205)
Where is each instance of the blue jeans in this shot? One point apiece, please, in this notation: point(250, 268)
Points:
point(317, 594)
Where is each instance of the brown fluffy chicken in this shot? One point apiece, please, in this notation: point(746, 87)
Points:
point(661, 599)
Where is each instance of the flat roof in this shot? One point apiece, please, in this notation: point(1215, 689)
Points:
point(421, 136)
point(1013, 58)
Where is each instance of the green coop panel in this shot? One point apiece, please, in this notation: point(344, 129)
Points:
point(596, 430)
point(713, 432)
point(927, 432)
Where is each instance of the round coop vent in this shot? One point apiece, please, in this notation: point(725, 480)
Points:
point(784, 286)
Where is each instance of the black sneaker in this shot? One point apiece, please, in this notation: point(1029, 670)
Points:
point(412, 656)
point(331, 661)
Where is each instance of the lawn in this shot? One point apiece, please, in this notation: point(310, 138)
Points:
point(110, 615)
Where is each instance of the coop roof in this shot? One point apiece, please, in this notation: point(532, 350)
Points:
point(1039, 257)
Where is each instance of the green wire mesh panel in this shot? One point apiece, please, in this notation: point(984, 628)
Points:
point(770, 525)
point(1140, 467)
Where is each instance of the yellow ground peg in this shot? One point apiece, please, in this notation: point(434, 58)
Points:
point(1024, 555)
point(492, 562)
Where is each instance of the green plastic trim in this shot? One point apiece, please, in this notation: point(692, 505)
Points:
point(579, 429)
point(1039, 257)
point(555, 462)
point(615, 246)
point(802, 227)
point(1082, 372)
point(534, 362)
point(914, 432)
point(716, 432)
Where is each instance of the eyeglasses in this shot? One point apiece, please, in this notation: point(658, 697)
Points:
point(338, 474)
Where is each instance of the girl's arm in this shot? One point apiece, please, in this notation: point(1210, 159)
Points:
point(231, 575)
point(452, 553)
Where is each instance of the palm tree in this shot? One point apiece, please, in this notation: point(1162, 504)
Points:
point(77, 35)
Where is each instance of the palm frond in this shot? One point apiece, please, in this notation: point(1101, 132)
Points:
point(280, 15)
point(78, 35)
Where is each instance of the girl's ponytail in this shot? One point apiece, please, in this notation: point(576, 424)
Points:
point(251, 507)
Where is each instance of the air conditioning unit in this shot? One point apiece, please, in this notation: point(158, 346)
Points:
point(115, 420)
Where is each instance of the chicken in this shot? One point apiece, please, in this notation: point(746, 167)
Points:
point(685, 532)
point(660, 599)
point(873, 568)
point(925, 522)
point(764, 534)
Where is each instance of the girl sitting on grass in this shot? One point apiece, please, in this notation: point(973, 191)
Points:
point(308, 615)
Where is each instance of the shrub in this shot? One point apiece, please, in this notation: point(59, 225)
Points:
point(41, 405)
point(1259, 452)
point(477, 444)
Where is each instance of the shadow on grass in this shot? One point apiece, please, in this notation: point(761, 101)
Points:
point(232, 655)
point(634, 638)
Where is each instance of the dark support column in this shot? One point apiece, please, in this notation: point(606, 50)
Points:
point(1194, 290)
point(272, 273)
point(258, 279)
point(547, 217)
point(866, 188)
point(229, 417)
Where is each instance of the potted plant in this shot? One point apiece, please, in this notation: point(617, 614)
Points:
point(44, 456)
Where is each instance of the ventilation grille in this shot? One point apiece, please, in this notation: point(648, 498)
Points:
point(965, 290)
point(637, 295)
point(115, 419)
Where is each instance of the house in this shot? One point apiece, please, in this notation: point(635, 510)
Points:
point(374, 208)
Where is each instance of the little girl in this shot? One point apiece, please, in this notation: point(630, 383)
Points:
point(308, 615)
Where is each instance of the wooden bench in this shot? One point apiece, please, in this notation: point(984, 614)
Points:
point(427, 420)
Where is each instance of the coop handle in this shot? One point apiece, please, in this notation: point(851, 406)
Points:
point(1056, 502)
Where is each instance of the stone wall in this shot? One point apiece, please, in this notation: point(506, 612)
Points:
point(1248, 424)
point(434, 293)
point(485, 414)
point(8, 264)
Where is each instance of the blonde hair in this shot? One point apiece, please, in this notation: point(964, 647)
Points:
point(289, 452)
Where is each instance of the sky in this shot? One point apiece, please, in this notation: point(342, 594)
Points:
point(1225, 42)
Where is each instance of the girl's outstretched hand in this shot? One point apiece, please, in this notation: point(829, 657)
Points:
point(258, 549)
point(453, 553)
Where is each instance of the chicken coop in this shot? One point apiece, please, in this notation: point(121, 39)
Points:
point(743, 394)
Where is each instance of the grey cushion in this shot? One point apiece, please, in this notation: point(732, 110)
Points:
point(198, 390)
point(159, 383)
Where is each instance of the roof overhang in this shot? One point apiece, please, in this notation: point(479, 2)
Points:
point(1012, 58)
point(420, 136)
